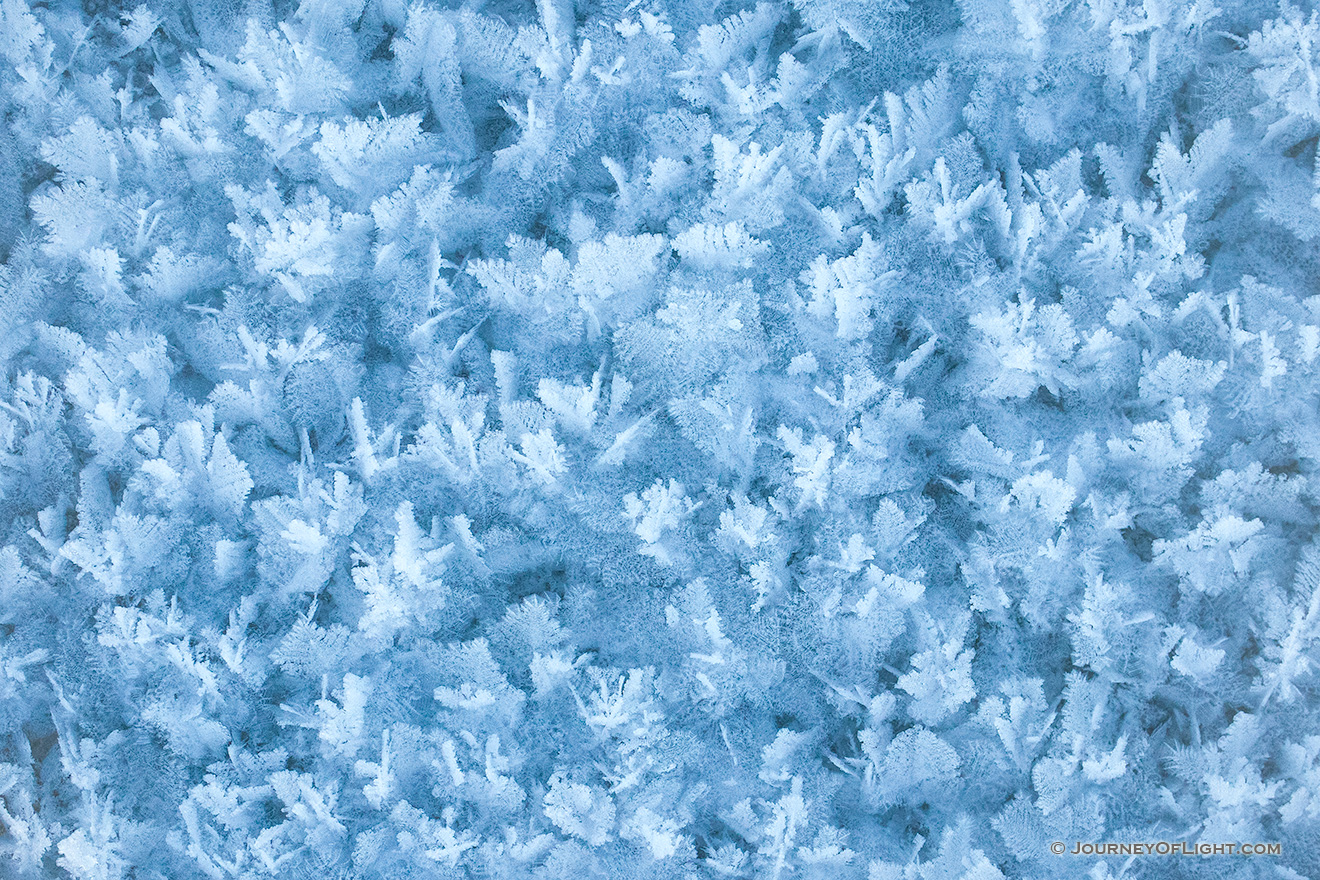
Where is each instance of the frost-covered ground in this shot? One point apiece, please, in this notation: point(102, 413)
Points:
point(863, 439)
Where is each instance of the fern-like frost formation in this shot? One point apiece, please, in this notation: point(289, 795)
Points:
point(857, 439)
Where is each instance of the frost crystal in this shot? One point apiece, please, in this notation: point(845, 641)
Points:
point(812, 439)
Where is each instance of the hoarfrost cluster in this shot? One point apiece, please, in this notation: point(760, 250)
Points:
point(859, 439)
